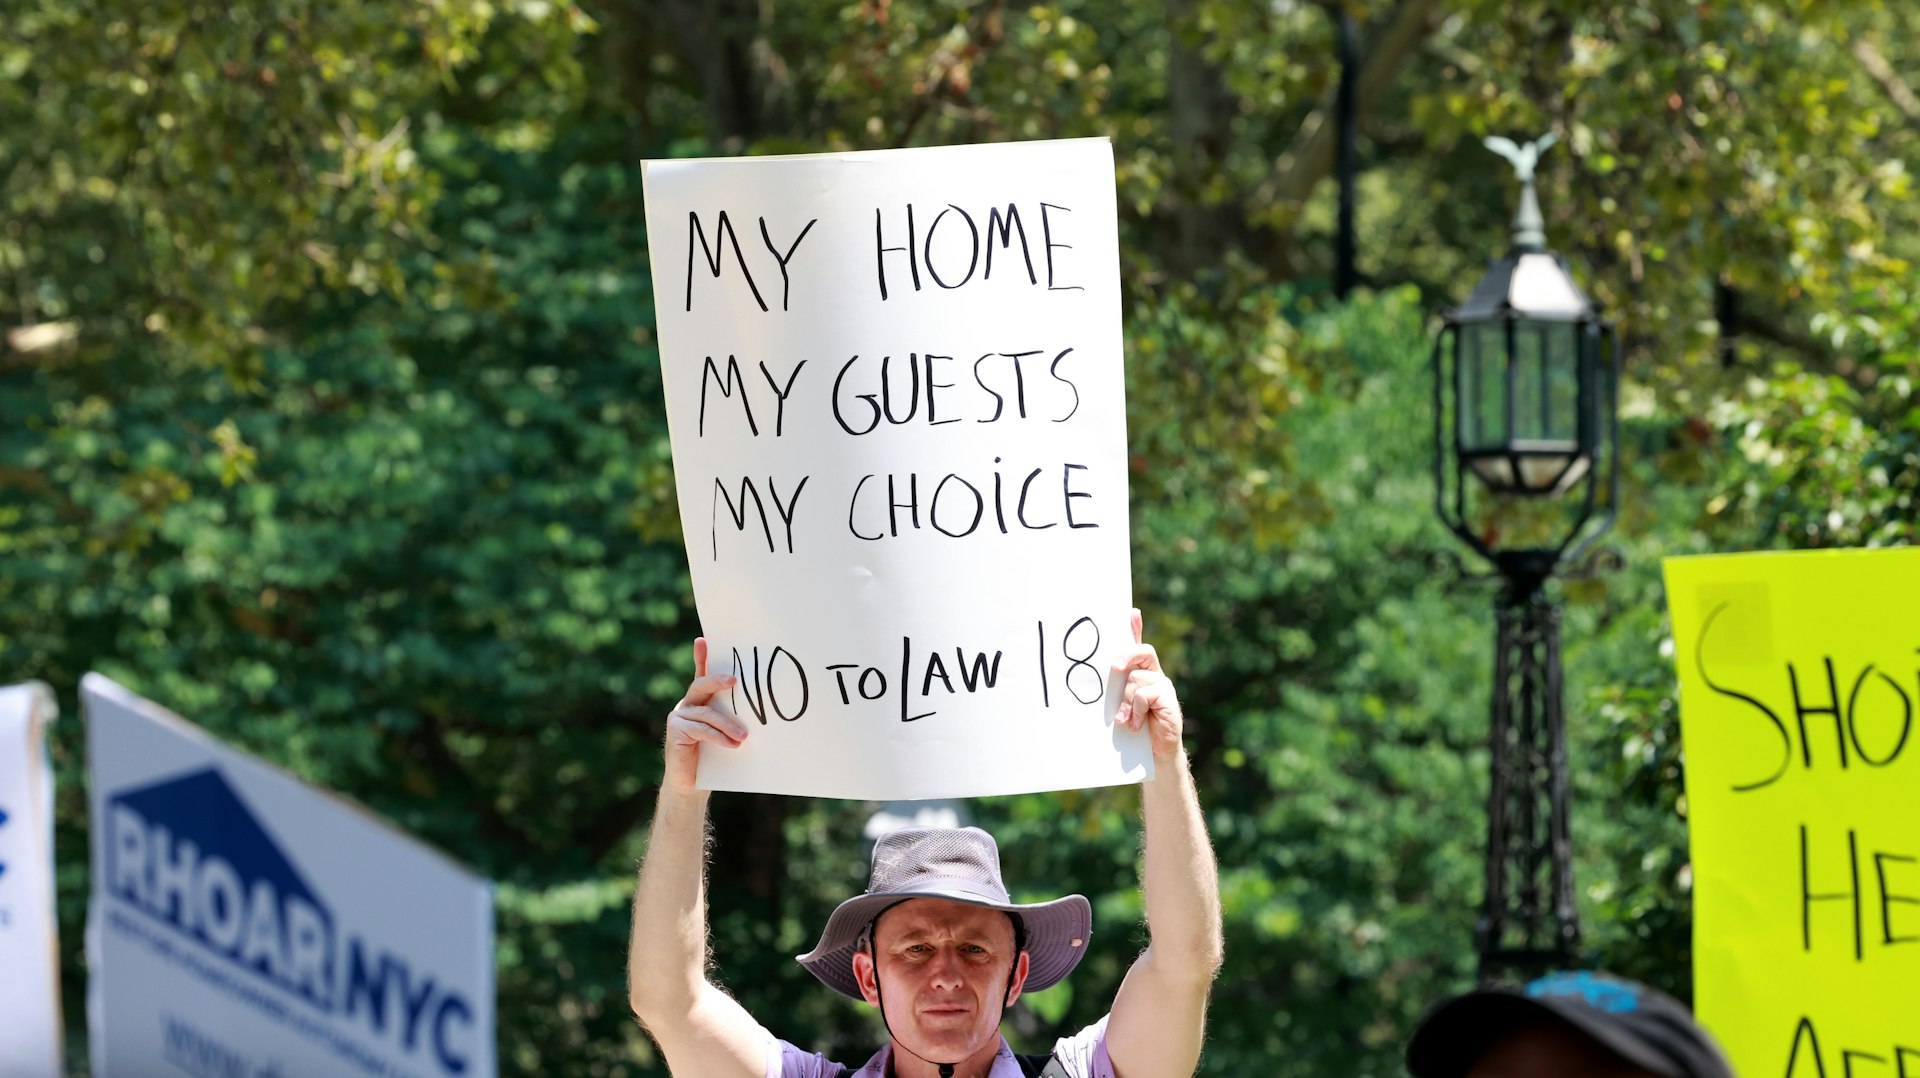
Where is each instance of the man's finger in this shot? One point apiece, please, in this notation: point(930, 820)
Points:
point(706, 688)
point(1151, 696)
point(686, 730)
point(1142, 691)
point(1138, 657)
point(699, 656)
point(718, 718)
point(1150, 691)
point(1126, 714)
point(1142, 677)
point(1139, 626)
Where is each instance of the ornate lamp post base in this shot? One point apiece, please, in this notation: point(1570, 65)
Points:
point(1528, 919)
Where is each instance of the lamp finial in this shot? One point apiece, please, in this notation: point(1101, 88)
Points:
point(1529, 228)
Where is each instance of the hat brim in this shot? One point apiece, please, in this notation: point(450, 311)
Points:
point(1057, 933)
point(1457, 1032)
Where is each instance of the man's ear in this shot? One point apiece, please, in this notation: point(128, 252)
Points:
point(864, 976)
point(1018, 981)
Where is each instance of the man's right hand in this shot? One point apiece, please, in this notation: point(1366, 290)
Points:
point(700, 1029)
point(700, 716)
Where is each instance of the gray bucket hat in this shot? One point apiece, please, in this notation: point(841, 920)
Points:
point(961, 865)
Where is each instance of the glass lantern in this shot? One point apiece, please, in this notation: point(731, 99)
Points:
point(1529, 357)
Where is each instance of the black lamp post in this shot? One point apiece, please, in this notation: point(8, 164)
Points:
point(1347, 36)
point(1525, 424)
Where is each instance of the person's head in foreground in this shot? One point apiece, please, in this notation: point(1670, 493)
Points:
point(1564, 1025)
point(937, 945)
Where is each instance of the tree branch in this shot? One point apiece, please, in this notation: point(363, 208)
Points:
point(1199, 117)
point(949, 73)
point(1309, 157)
point(613, 823)
point(722, 45)
point(1891, 84)
point(1760, 326)
point(42, 336)
point(428, 746)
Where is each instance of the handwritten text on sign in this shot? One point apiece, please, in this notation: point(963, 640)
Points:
point(1799, 678)
point(894, 383)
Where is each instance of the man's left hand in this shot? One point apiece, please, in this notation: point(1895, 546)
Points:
point(1148, 700)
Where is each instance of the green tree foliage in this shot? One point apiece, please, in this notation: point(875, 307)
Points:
point(331, 419)
point(175, 169)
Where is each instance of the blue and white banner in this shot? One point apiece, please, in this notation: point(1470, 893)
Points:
point(29, 936)
point(244, 923)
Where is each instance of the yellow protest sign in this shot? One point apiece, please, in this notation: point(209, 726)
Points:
point(1799, 676)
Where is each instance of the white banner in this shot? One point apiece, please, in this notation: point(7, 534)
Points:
point(30, 1037)
point(244, 923)
point(895, 386)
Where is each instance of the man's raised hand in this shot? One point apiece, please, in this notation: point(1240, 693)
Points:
point(1148, 700)
point(700, 716)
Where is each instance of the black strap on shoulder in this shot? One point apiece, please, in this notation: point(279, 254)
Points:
point(1047, 1067)
point(1041, 1067)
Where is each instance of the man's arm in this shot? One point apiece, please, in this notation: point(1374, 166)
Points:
point(1159, 1015)
point(700, 1029)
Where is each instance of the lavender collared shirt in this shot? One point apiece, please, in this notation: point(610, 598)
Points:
point(1084, 1055)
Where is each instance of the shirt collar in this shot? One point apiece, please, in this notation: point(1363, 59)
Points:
point(1004, 1065)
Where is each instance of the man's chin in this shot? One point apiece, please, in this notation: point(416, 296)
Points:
point(948, 1045)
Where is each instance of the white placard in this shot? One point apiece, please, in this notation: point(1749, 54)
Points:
point(245, 923)
point(894, 382)
point(29, 932)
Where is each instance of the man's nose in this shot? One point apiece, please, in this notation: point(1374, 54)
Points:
point(945, 970)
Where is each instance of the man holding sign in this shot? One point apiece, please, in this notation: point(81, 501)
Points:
point(895, 382)
point(934, 943)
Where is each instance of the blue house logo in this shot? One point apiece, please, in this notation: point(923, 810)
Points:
point(189, 852)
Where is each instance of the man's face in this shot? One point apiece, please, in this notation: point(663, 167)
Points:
point(942, 972)
point(1552, 1050)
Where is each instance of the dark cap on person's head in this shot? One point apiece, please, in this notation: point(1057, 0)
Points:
point(1646, 1027)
